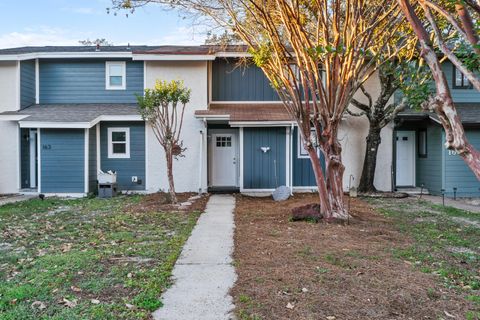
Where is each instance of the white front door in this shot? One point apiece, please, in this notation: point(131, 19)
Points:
point(224, 160)
point(405, 173)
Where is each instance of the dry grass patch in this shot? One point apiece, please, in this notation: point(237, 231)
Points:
point(303, 270)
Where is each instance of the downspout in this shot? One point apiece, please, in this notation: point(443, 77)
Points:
point(200, 167)
point(200, 164)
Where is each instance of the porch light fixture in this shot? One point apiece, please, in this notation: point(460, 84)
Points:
point(265, 149)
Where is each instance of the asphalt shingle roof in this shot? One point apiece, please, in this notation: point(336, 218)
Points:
point(79, 49)
point(73, 112)
point(199, 49)
point(469, 113)
point(202, 49)
point(248, 112)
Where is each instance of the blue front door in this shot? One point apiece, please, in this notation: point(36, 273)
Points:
point(264, 157)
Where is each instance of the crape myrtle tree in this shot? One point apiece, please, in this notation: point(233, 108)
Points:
point(316, 55)
point(406, 76)
point(431, 22)
point(163, 108)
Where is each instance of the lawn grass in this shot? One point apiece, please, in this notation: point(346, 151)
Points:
point(87, 258)
point(447, 243)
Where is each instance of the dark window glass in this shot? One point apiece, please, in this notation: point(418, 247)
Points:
point(119, 136)
point(422, 144)
point(119, 148)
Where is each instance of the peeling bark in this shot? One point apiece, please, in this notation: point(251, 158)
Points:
point(442, 104)
point(334, 179)
point(321, 182)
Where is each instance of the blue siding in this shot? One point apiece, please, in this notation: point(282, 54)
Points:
point(83, 81)
point(303, 175)
point(459, 95)
point(233, 83)
point(62, 160)
point(126, 168)
point(259, 167)
point(27, 83)
point(429, 170)
point(467, 95)
point(457, 173)
point(92, 160)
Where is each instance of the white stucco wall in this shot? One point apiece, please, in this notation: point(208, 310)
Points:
point(186, 169)
point(9, 139)
point(9, 86)
point(353, 133)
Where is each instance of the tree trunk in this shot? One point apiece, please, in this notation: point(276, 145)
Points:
point(334, 170)
point(171, 184)
point(442, 104)
point(321, 183)
point(370, 161)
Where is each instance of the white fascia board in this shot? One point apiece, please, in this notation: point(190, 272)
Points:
point(246, 102)
point(56, 55)
point(435, 120)
point(260, 123)
point(116, 118)
point(77, 125)
point(233, 55)
point(213, 117)
point(173, 57)
point(13, 117)
point(54, 125)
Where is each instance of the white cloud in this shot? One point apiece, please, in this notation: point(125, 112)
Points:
point(41, 36)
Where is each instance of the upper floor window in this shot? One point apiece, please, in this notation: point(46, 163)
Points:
point(302, 153)
point(118, 142)
point(115, 75)
point(460, 81)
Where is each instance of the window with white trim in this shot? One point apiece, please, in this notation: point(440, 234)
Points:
point(119, 143)
point(460, 80)
point(115, 75)
point(301, 151)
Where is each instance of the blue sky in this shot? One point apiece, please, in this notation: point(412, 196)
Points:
point(65, 22)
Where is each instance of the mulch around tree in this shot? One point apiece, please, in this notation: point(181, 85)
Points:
point(304, 270)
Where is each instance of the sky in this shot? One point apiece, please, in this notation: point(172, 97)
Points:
point(65, 22)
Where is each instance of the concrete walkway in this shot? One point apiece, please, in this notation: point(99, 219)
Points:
point(15, 198)
point(204, 272)
point(459, 204)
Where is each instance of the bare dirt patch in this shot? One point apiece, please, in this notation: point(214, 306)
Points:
point(160, 201)
point(302, 270)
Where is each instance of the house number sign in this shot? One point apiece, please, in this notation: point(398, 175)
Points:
point(452, 152)
point(47, 147)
